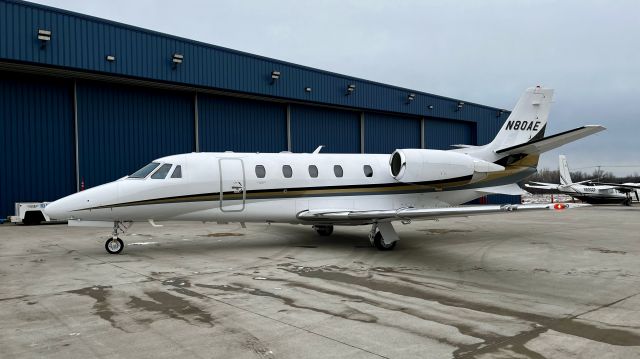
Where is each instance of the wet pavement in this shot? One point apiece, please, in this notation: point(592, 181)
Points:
point(519, 285)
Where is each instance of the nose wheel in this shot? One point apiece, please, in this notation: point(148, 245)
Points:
point(114, 245)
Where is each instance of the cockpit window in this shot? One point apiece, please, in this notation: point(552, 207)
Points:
point(144, 171)
point(177, 173)
point(162, 172)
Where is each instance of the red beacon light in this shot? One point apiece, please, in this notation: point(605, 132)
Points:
point(559, 206)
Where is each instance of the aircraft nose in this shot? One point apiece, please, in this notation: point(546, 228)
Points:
point(59, 209)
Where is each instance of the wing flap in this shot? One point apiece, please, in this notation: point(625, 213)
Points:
point(338, 215)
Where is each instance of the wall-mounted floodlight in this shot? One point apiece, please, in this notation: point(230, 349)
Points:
point(111, 58)
point(307, 89)
point(459, 107)
point(430, 107)
point(275, 75)
point(411, 97)
point(499, 113)
point(177, 59)
point(350, 89)
point(44, 36)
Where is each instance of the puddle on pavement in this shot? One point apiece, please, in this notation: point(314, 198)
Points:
point(443, 230)
point(606, 251)
point(222, 234)
point(349, 313)
point(491, 343)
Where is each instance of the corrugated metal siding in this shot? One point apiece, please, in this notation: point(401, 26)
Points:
point(311, 127)
point(36, 141)
point(386, 133)
point(503, 199)
point(123, 128)
point(228, 124)
point(81, 42)
point(441, 134)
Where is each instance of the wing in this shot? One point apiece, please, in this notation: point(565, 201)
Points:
point(402, 214)
point(620, 186)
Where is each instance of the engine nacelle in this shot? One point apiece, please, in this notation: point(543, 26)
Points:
point(417, 165)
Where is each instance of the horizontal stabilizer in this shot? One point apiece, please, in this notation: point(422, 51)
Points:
point(510, 189)
point(549, 143)
point(538, 185)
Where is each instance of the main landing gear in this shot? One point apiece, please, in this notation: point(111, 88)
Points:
point(114, 245)
point(323, 229)
point(383, 236)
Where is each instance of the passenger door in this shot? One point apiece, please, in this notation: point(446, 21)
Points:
point(232, 184)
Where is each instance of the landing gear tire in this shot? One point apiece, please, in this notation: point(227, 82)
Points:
point(114, 245)
point(324, 230)
point(627, 202)
point(379, 243)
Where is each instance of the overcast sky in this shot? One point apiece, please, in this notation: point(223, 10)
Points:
point(479, 51)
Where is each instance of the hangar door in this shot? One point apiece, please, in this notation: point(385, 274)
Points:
point(441, 134)
point(229, 124)
point(311, 127)
point(386, 133)
point(36, 140)
point(122, 128)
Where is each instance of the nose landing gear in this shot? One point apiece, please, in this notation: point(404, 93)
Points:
point(115, 245)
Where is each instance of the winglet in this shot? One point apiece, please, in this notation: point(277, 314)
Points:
point(317, 150)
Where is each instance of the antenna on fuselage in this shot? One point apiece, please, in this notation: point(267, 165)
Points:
point(317, 150)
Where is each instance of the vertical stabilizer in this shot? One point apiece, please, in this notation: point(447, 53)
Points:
point(527, 121)
point(565, 176)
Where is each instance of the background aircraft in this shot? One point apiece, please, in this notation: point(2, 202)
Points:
point(324, 190)
point(588, 191)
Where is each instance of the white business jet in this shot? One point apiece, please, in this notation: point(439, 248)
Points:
point(588, 191)
point(324, 190)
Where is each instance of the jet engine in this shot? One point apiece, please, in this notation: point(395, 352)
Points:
point(424, 166)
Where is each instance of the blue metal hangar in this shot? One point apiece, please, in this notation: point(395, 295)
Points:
point(84, 101)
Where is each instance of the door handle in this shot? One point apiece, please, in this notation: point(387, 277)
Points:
point(237, 187)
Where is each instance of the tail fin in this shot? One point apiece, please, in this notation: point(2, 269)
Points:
point(565, 176)
point(528, 120)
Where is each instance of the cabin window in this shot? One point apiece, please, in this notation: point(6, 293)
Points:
point(313, 171)
point(337, 170)
point(162, 172)
point(287, 171)
point(368, 171)
point(260, 171)
point(177, 172)
point(144, 171)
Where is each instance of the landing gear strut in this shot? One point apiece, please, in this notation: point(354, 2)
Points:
point(114, 245)
point(383, 236)
point(323, 229)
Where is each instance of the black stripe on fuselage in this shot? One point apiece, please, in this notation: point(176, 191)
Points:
point(316, 191)
point(327, 191)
